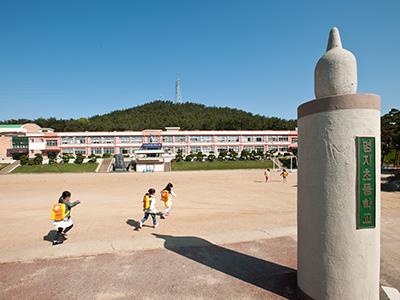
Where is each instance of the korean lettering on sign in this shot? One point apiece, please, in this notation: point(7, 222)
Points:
point(366, 182)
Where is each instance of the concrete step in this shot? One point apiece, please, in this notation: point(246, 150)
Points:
point(10, 167)
point(105, 165)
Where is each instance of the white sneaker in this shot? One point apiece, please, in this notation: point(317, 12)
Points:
point(140, 224)
point(155, 226)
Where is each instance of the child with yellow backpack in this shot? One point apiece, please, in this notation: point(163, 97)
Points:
point(149, 207)
point(61, 216)
point(166, 197)
point(284, 174)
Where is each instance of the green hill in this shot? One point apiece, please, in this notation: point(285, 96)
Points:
point(160, 114)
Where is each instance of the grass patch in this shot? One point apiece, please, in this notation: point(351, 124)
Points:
point(57, 168)
point(221, 165)
point(2, 166)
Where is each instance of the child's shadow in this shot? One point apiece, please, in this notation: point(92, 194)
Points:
point(133, 223)
point(50, 236)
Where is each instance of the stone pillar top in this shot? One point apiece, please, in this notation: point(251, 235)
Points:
point(336, 71)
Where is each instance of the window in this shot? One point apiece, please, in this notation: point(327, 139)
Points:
point(206, 149)
point(272, 138)
point(295, 140)
point(96, 140)
point(52, 143)
point(260, 149)
point(221, 139)
point(108, 150)
point(194, 139)
point(272, 148)
point(283, 138)
point(283, 149)
point(137, 139)
point(108, 140)
point(206, 139)
point(168, 139)
point(80, 140)
point(248, 139)
point(259, 139)
point(231, 149)
point(96, 151)
point(67, 140)
point(233, 139)
point(124, 139)
point(79, 151)
point(124, 151)
point(180, 139)
point(195, 149)
point(179, 149)
point(68, 151)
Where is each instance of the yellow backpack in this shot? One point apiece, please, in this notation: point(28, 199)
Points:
point(146, 202)
point(165, 195)
point(58, 212)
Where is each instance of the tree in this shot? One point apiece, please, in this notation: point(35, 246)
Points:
point(245, 154)
point(222, 154)
point(200, 156)
point(179, 156)
point(79, 159)
point(390, 135)
point(38, 159)
point(24, 159)
point(211, 156)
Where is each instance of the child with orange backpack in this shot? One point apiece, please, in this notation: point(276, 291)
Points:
point(61, 216)
point(166, 197)
point(149, 208)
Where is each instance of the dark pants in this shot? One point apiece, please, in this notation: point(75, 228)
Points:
point(146, 216)
point(60, 232)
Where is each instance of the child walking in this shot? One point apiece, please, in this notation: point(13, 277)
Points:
point(61, 214)
point(149, 207)
point(284, 174)
point(267, 173)
point(166, 197)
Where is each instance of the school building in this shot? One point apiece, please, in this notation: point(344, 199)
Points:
point(30, 139)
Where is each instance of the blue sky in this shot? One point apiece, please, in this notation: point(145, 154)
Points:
point(71, 59)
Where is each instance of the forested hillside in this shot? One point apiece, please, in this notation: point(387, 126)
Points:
point(159, 114)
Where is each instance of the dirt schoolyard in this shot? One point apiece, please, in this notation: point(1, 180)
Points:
point(229, 235)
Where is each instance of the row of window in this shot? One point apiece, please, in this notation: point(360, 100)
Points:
point(175, 139)
point(204, 149)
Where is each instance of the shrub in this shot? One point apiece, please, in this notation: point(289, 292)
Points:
point(211, 156)
point(65, 158)
point(200, 156)
point(24, 159)
point(31, 162)
point(222, 154)
point(79, 159)
point(179, 156)
point(107, 155)
point(52, 161)
point(189, 157)
point(92, 158)
point(38, 159)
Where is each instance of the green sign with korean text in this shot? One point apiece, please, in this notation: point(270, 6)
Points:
point(366, 182)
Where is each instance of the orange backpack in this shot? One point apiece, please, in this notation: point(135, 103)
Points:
point(58, 212)
point(165, 195)
point(146, 202)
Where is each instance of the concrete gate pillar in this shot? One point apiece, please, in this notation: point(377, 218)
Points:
point(338, 183)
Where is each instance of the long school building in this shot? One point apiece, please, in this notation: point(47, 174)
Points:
point(31, 139)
